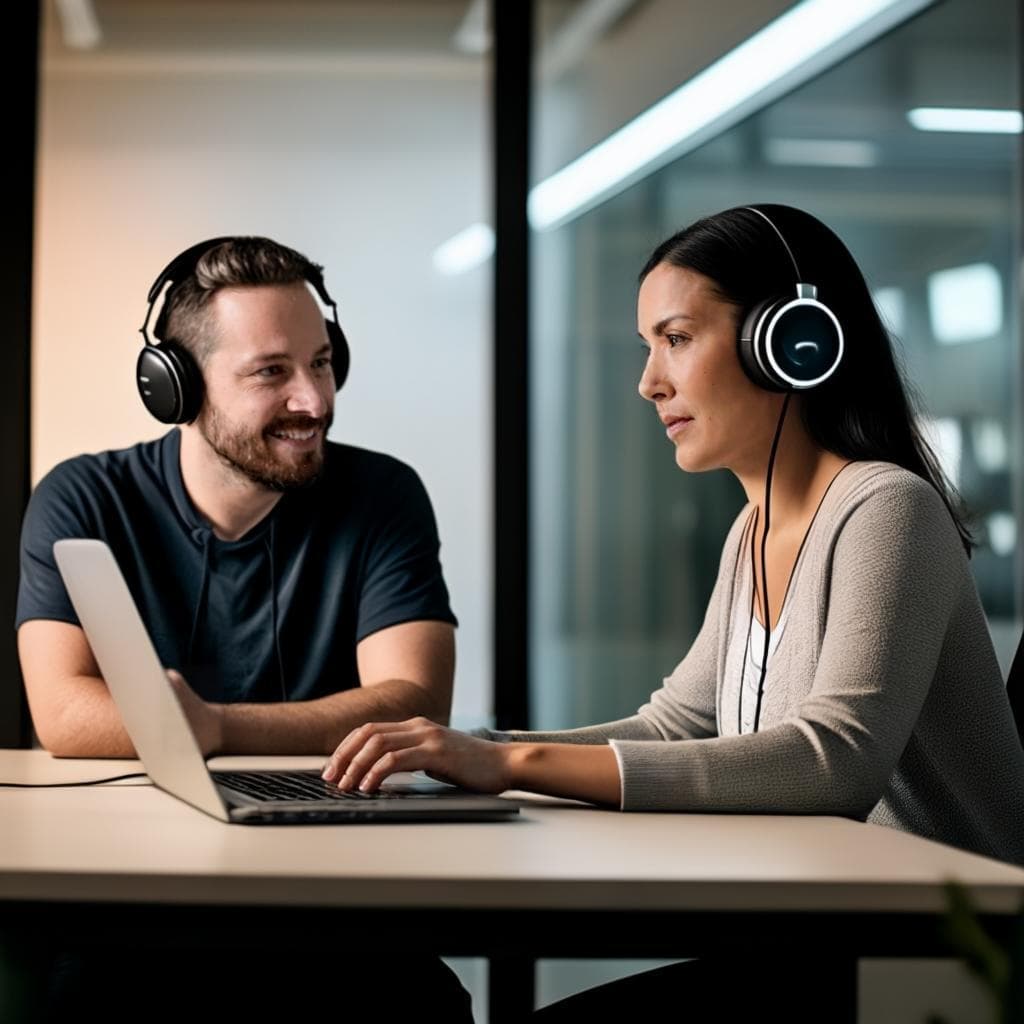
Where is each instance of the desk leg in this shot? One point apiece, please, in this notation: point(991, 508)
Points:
point(511, 989)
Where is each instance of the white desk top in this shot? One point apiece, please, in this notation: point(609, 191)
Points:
point(132, 842)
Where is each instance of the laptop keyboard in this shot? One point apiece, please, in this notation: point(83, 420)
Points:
point(290, 786)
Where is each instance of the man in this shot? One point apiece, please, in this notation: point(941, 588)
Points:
point(294, 583)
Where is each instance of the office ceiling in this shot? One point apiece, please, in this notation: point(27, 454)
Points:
point(127, 31)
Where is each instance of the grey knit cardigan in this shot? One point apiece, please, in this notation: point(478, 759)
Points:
point(883, 700)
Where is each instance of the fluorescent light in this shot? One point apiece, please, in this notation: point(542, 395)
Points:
point(965, 303)
point(962, 119)
point(821, 152)
point(808, 38)
point(578, 34)
point(469, 248)
point(79, 24)
point(473, 35)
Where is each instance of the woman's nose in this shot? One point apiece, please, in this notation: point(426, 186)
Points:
point(653, 384)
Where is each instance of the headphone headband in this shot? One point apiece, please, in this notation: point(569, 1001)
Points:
point(186, 261)
point(785, 244)
point(787, 342)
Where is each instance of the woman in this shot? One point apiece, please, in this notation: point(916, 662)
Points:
point(860, 680)
point(882, 696)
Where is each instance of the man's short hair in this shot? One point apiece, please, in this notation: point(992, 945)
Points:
point(246, 260)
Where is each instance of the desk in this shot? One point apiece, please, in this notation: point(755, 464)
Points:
point(565, 880)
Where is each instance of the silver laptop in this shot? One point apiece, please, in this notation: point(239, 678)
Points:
point(167, 747)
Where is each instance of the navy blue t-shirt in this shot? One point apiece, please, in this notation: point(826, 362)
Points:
point(276, 613)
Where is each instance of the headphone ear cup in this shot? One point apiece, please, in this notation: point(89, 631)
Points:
point(169, 382)
point(751, 345)
point(791, 344)
point(339, 353)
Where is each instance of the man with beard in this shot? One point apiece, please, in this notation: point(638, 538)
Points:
point(292, 584)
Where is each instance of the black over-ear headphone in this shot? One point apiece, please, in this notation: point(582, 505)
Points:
point(790, 343)
point(169, 381)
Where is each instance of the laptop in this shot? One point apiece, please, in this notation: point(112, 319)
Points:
point(167, 747)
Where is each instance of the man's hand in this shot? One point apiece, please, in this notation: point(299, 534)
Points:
point(206, 719)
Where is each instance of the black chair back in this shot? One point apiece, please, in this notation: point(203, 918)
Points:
point(1015, 689)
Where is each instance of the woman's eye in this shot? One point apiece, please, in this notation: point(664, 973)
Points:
point(322, 363)
point(675, 339)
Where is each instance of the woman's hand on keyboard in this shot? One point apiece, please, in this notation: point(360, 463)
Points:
point(373, 751)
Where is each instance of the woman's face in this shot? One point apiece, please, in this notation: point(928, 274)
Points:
point(713, 413)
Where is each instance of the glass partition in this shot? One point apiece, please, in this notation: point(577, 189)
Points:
point(626, 546)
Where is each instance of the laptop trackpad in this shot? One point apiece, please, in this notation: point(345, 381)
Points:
point(414, 784)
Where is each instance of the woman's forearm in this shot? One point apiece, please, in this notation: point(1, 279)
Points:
point(565, 769)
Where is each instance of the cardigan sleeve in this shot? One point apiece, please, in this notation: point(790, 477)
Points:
point(897, 563)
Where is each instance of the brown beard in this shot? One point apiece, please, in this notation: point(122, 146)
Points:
point(249, 453)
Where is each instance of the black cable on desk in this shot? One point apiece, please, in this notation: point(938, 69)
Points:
point(57, 785)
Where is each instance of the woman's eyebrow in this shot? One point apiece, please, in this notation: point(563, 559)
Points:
point(660, 326)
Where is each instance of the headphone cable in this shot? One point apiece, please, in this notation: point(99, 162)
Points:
point(764, 567)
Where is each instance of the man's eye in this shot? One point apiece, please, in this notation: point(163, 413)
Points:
point(268, 371)
point(321, 363)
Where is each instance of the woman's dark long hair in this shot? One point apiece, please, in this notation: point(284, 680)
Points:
point(864, 410)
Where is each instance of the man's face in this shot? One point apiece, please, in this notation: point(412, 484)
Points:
point(269, 384)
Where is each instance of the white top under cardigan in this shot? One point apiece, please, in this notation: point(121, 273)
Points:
point(883, 699)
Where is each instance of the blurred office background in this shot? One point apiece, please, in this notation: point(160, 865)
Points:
point(359, 132)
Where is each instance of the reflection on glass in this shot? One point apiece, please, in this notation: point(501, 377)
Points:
point(892, 306)
point(946, 440)
point(990, 445)
point(821, 152)
point(965, 303)
point(1002, 532)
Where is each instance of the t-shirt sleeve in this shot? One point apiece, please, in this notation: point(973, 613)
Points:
point(55, 511)
point(402, 579)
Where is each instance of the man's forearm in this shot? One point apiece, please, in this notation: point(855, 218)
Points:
point(87, 723)
point(318, 726)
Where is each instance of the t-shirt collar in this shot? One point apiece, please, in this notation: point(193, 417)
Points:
point(197, 525)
